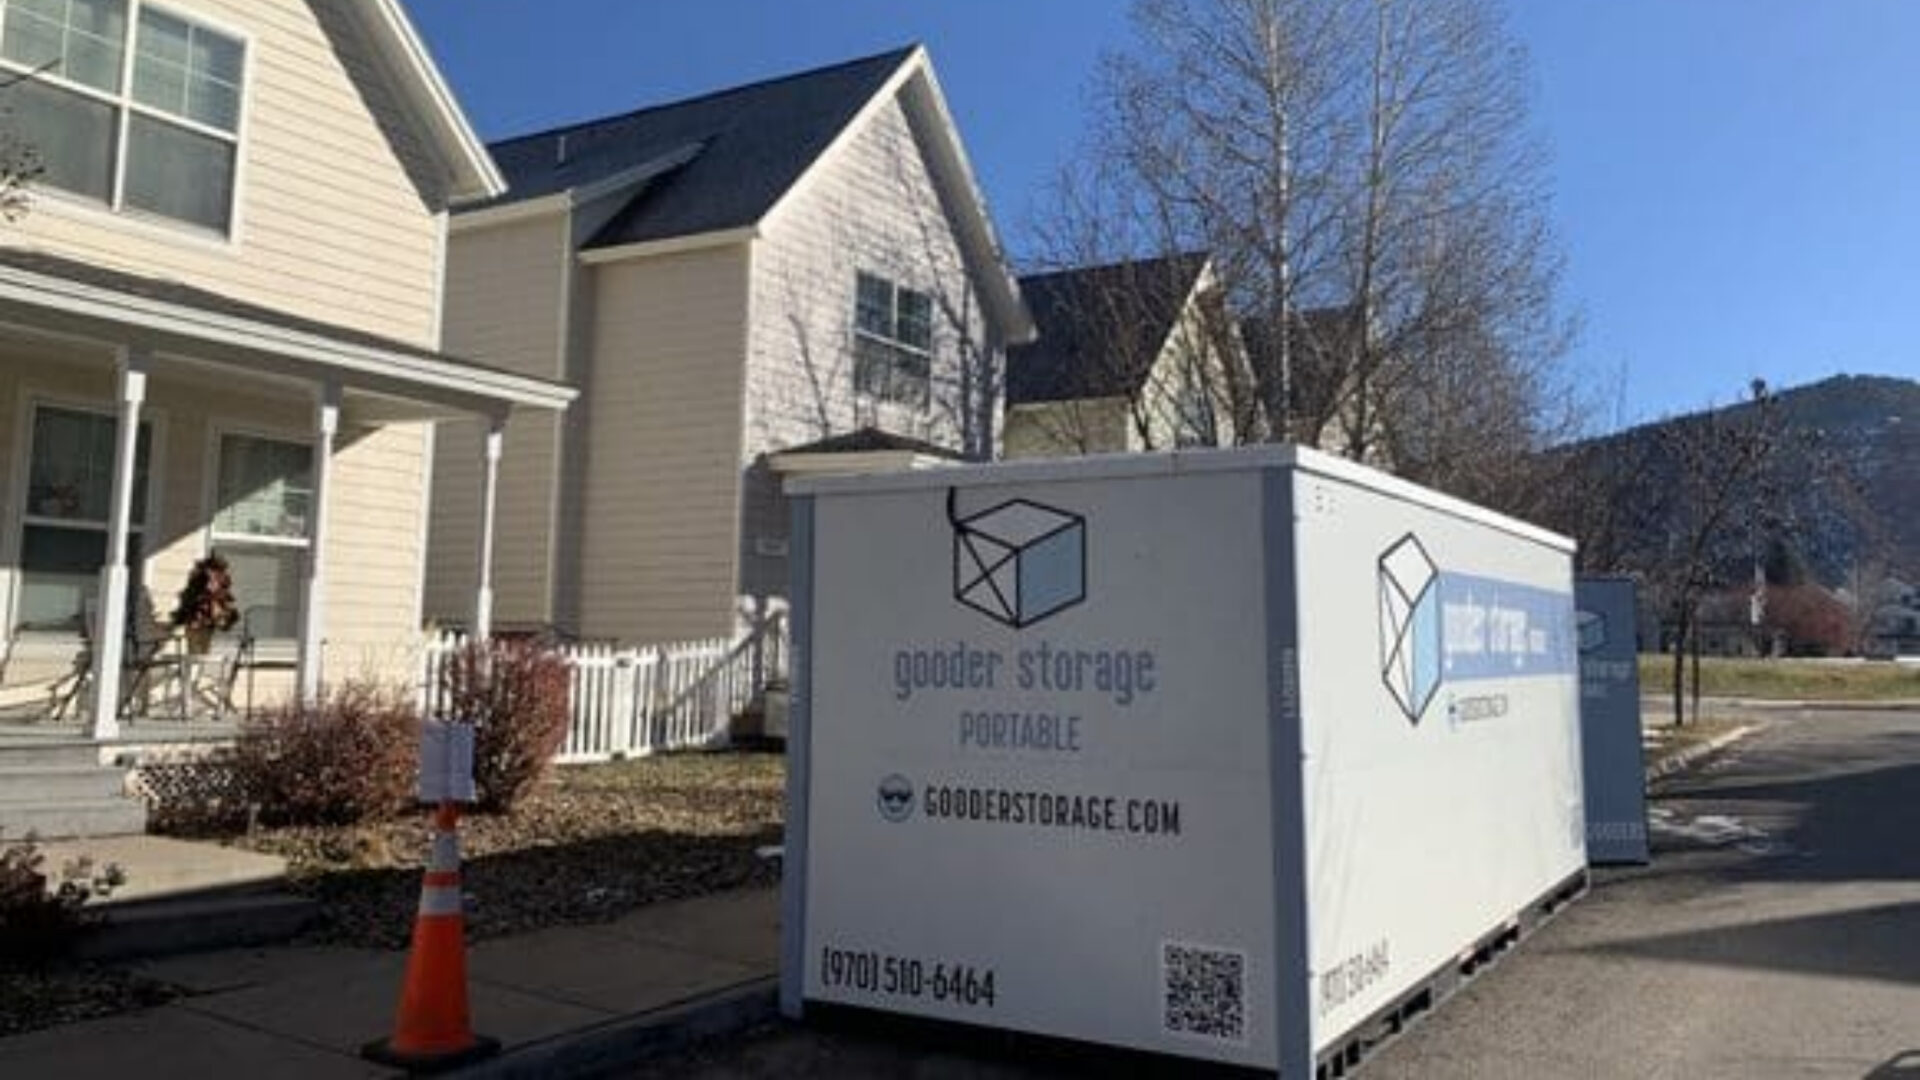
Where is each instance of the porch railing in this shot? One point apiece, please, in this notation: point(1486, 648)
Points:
point(627, 702)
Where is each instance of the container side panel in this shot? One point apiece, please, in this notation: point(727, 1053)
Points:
point(1441, 726)
point(1046, 807)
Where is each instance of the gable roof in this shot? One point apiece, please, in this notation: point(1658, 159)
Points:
point(471, 174)
point(1321, 339)
point(1100, 327)
point(869, 440)
point(741, 149)
point(725, 161)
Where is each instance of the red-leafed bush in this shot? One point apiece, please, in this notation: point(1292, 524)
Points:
point(515, 695)
point(350, 757)
point(1813, 621)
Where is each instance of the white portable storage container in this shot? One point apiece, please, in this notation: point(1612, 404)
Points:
point(1240, 756)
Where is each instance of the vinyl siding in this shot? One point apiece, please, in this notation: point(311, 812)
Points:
point(1066, 428)
point(662, 458)
point(870, 205)
point(503, 308)
point(333, 220)
point(376, 497)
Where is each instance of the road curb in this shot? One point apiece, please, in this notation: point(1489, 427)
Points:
point(1778, 705)
point(1680, 760)
point(620, 1043)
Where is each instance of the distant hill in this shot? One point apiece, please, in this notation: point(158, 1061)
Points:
point(1849, 478)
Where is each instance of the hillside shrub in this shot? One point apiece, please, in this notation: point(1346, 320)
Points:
point(515, 695)
point(351, 756)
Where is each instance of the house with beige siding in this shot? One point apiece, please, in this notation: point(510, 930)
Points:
point(740, 283)
point(220, 332)
point(1130, 356)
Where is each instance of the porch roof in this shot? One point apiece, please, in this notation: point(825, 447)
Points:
point(52, 293)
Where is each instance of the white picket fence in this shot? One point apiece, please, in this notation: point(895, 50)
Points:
point(627, 702)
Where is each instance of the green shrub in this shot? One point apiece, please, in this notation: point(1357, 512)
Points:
point(39, 923)
point(350, 757)
point(515, 694)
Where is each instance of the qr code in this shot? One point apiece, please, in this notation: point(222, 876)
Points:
point(1205, 991)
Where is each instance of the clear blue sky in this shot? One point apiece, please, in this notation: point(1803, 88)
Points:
point(1737, 182)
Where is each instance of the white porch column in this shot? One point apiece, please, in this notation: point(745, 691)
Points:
point(490, 446)
point(313, 602)
point(109, 627)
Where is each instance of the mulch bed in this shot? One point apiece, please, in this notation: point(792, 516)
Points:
point(593, 843)
point(30, 1000)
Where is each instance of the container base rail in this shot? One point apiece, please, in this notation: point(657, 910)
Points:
point(1376, 1031)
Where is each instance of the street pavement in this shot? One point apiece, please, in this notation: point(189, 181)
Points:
point(1776, 935)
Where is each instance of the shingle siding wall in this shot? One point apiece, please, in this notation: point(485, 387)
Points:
point(871, 206)
point(503, 308)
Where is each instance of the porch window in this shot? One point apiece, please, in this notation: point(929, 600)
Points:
point(892, 342)
point(63, 542)
point(260, 526)
point(157, 135)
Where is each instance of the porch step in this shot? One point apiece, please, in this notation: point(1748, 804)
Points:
point(38, 752)
point(54, 819)
point(58, 783)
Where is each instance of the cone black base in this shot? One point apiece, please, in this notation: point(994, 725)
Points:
point(382, 1051)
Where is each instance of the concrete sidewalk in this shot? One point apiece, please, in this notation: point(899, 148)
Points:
point(305, 1012)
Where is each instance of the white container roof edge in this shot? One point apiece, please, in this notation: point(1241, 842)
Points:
point(1168, 463)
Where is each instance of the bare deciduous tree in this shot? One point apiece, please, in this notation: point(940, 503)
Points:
point(1717, 469)
point(1368, 155)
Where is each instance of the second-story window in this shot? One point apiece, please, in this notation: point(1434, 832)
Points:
point(892, 342)
point(131, 105)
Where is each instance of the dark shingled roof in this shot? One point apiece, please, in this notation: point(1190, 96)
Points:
point(1101, 327)
point(1321, 338)
point(719, 161)
point(869, 440)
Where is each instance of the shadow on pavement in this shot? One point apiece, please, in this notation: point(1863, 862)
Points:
point(1881, 942)
point(1854, 809)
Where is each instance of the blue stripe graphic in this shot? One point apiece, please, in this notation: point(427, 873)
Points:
point(1493, 629)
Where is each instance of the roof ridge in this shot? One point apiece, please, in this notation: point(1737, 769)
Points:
point(899, 54)
point(1150, 260)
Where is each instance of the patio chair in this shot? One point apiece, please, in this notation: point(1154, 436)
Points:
point(252, 656)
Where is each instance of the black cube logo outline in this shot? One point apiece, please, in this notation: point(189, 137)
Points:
point(993, 555)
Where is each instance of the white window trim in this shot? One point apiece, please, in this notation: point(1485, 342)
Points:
point(123, 101)
point(211, 538)
point(32, 399)
point(893, 344)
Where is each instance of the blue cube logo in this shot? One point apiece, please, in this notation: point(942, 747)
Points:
point(1410, 626)
point(1018, 562)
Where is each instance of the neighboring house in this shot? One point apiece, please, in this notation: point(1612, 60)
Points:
point(1324, 409)
point(724, 278)
point(1130, 356)
point(222, 329)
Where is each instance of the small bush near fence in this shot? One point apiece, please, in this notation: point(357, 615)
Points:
point(39, 920)
point(350, 757)
point(516, 694)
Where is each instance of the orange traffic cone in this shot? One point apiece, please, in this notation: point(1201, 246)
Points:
point(433, 1031)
